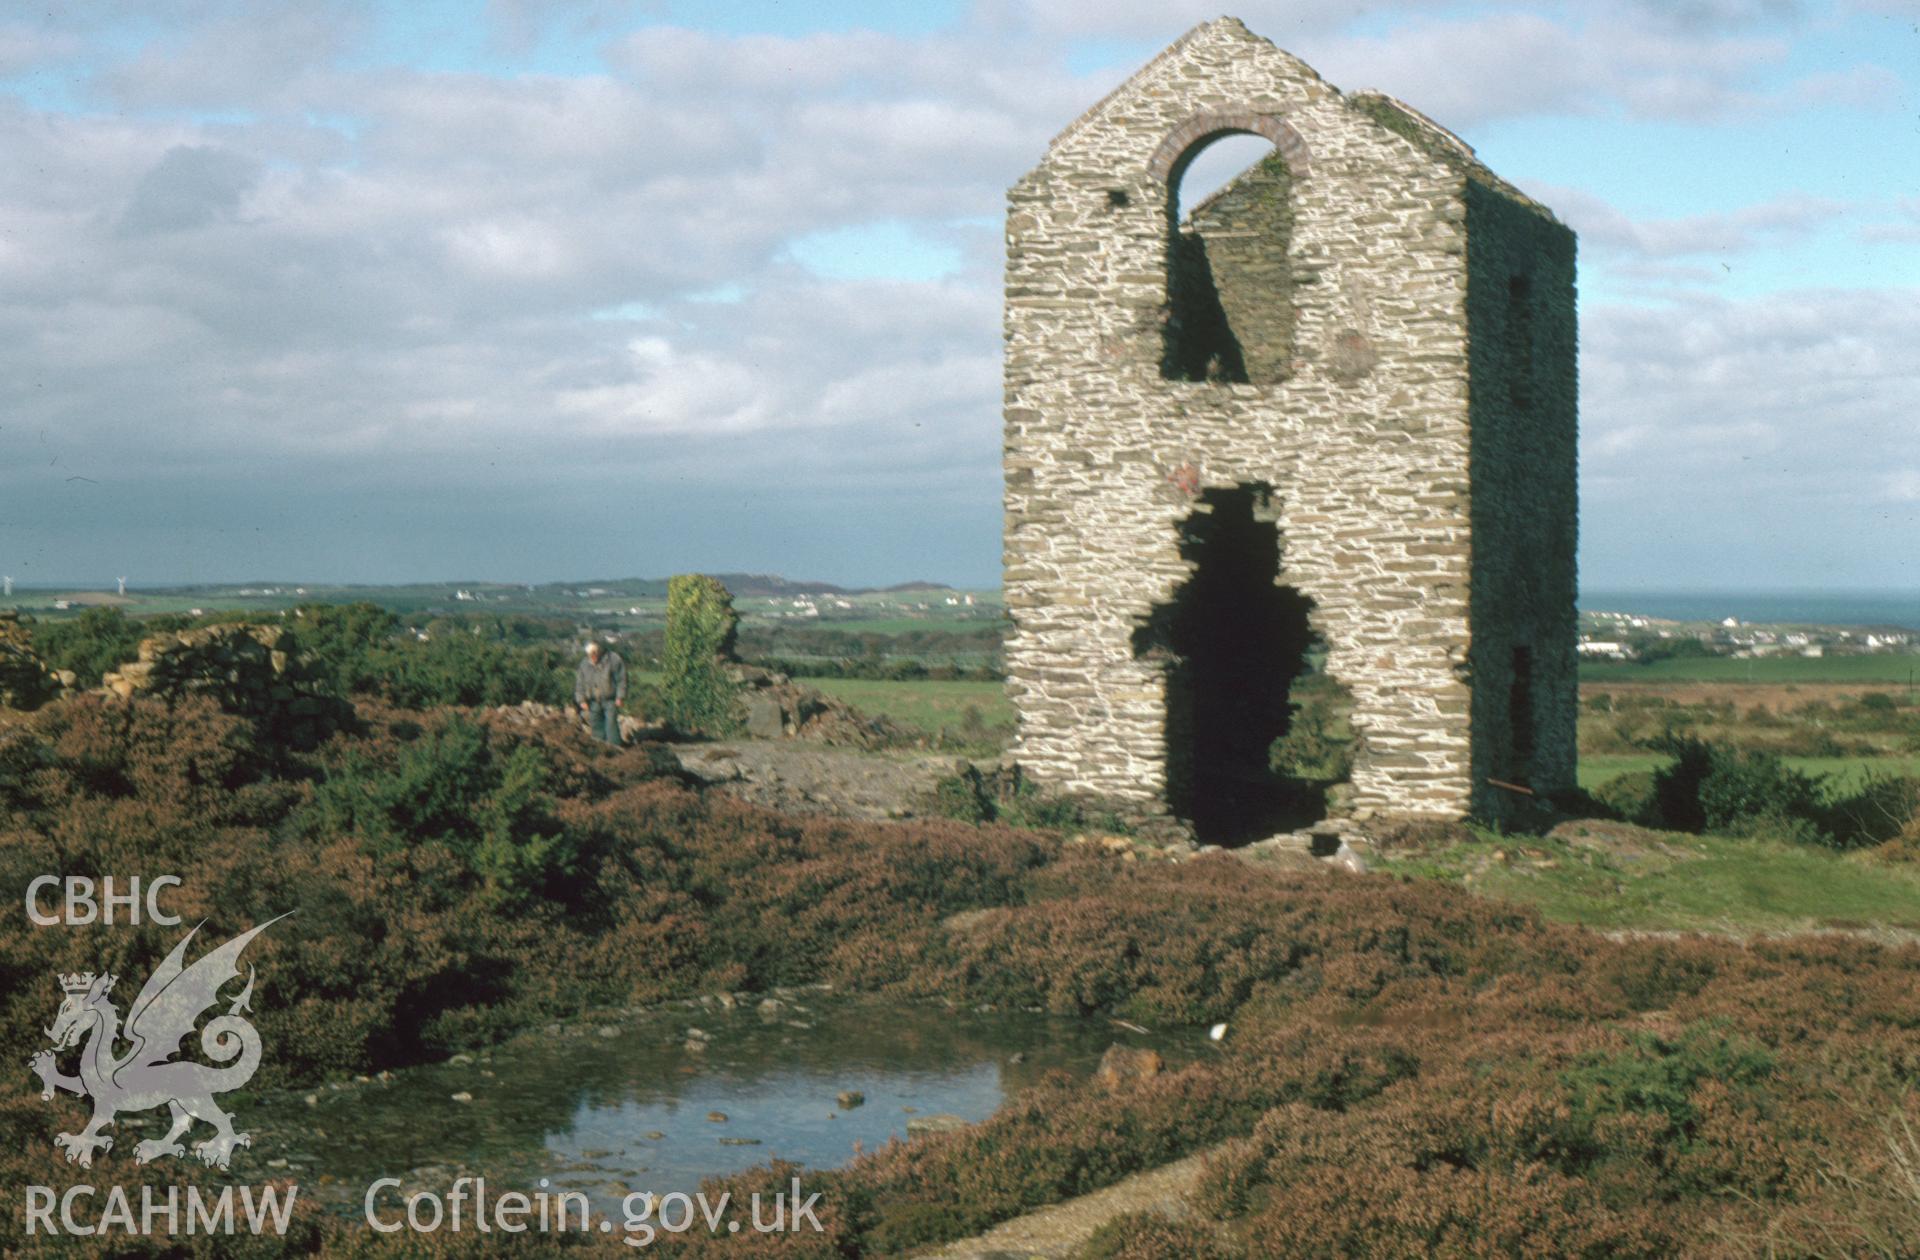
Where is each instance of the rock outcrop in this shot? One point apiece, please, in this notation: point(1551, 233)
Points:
point(1127, 1065)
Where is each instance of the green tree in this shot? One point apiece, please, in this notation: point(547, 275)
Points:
point(701, 626)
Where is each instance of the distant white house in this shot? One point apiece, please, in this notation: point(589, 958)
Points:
point(1606, 648)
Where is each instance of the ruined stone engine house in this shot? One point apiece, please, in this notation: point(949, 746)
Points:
point(1327, 422)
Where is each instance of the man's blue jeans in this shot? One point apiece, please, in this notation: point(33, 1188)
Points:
point(603, 719)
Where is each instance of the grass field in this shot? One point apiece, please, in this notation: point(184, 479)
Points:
point(948, 619)
point(1595, 770)
point(1681, 883)
point(1881, 668)
point(929, 706)
point(936, 706)
point(924, 705)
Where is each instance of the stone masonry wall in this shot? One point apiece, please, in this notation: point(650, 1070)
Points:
point(246, 669)
point(1365, 442)
point(1522, 337)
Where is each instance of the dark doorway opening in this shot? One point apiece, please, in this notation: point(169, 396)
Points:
point(1232, 642)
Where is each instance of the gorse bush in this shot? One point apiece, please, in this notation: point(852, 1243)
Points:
point(452, 786)
point(1661, 1076)
point(349, 648)
point(1710, 787)
point(464, 669)
point(359, 649)
point(699, 697)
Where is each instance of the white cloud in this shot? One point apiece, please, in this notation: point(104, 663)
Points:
point(263, 262)
point(1750, 227)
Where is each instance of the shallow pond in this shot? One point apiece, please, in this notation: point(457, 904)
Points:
point(612, 1107)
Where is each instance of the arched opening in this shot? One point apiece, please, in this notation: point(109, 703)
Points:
point(1233, 643)
point(1229, 314)
point(1212, 165)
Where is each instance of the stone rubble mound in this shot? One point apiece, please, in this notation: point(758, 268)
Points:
point(251, 670)
point(779, 708)
point(529, 714)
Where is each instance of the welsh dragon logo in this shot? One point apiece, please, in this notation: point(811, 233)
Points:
point(147, 1075)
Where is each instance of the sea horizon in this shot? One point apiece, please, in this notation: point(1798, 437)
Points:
point(1862, 607)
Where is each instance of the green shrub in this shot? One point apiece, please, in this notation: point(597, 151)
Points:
point(1658, 1075)
point(1318, 745)
point(462, 668)
point(1879, 809)
point(1711, 787)
point(348, 648)
point(699, 697)
point(1006, 796)
point(359, 650)
point(1631, 797)
point(454, 787)
point(95, 643)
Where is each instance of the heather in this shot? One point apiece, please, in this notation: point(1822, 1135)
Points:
point(1409, 1069)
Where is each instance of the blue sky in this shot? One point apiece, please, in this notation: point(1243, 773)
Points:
point(534, 291)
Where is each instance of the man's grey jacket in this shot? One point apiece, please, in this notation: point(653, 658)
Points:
point(605, 679)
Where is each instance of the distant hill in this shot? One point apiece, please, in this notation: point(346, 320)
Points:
point(755, 585)
point(608, 595)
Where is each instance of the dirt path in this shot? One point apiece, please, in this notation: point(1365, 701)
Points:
point(1061, 1230)
point(803, 777)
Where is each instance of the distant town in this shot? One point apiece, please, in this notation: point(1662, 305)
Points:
point(1626, 636)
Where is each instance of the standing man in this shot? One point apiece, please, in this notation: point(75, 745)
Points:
point(600, 688)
